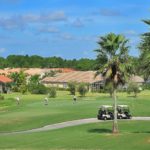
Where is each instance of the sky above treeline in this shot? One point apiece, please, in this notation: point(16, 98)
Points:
point(68, 28)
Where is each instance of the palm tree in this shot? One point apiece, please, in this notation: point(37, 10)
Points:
point(114, 65)
point(145, 53)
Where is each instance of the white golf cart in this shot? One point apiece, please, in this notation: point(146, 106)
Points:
point(123, 112)
point(105, 112)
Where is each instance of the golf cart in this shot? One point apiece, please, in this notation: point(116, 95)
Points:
point(123, 112)
point(105, 113)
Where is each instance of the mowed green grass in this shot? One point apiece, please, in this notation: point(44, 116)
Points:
point(32, 113)
point(134, 135)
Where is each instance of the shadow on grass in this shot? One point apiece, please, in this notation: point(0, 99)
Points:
point(131, 96)
point(148, 132)
point(100, 131)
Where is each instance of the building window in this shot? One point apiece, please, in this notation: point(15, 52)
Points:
point(65, 85)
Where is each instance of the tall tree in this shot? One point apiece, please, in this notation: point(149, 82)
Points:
point(35, 61)
point(19, 80)
point(145, 53)
point(114, 65)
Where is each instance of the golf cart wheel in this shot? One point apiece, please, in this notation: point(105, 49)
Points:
point(99, 118)
point(129, 117)
point(120, 117)
point(105, 118)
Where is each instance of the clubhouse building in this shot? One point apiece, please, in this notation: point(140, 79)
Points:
point(61, 80)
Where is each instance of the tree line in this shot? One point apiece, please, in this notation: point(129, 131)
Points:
point(35, 61)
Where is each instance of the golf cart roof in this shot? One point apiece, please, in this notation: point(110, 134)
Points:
point(122, 106)
point(106, 106)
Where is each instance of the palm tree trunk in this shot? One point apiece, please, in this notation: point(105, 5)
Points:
point(115, 122)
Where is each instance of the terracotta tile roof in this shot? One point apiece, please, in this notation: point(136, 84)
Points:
point(34, 71)
point(63, 70)
point(3, 72)
point(38, 71)
point(76, 76)
point(5, 79)
point(11, 70)
point(7, 71)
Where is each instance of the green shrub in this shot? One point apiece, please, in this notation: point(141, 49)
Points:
point(62, 89)
point(133, 88)
point(82, 89)
point(23, 88)
point(52, 92)
point(37, 89)
point(72, 87)
point(102, 90)
point(14, 88)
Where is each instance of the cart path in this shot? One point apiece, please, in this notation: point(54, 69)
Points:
point(68, 124)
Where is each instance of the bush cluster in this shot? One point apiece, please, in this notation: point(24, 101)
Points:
point(52, 92)
point(82, 89)
point(37, 89)
point(74, 87)
point(133, 88)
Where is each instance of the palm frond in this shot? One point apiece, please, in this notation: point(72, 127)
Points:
point(146, 21)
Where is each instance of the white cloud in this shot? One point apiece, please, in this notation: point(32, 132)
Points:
point(14, 22)
point(52, 16)
point(92, 38)
point(2, 50)
point(78, 23)
point(108, 12)
point(131, 33)
point(48, 30)
point(67, 36)
point(21, 21)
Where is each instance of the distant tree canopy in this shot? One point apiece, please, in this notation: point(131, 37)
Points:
point(35, 61)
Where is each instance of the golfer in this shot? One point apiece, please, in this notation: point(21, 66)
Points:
point(46, 101)
point(74, 99)
point(18, 100)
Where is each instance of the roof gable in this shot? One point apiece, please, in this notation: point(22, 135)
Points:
point(5, 79)
point(76, 76)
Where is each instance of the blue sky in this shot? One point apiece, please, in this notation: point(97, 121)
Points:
point(69, 29)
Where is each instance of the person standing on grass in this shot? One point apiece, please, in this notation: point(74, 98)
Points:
point(17, 100)
point(74, 99)
point(46, 101)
